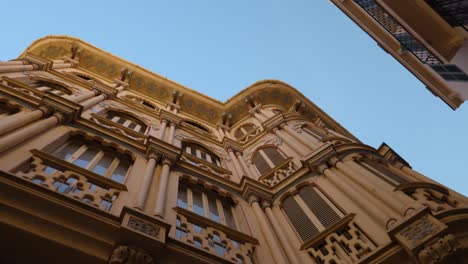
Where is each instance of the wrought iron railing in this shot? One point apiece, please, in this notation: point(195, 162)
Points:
point(407, 41)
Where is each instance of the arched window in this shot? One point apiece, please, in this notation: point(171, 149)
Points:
point(267, 158)
point(244, 130)
point(51, 87)
point(141, 101)
point(126, 120)
point(382, 172)
point(96, 158)
point(316, 133)
point(201, 153)
point(196, 125)
point(310, 212)
point(7, 108)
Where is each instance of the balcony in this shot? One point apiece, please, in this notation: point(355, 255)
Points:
point(115, 127)
point(342, 242)
point(210, 236)
point(70, 180)
point(407, 41)
point(279, 173)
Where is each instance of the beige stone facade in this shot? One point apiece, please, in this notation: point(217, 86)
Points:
point(428, 37)
point(103, 161)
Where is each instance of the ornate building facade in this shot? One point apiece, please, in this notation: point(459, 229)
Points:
point(428, 37)
point(103, 161)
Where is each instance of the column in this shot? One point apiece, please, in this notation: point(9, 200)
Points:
point(221, 133)
point(265, 114)
point(145, 183)
point(162, 189)
point(280, 234)
point(291, 132)
point(293, 144)
point(253, 171)
point(237, 168)
point(375, 212)
point(291, 235)
point(93, 101)
point(395, 200)
point(241, 160)
point(172, 128)
point(17, 68)
point(82, 97)
point(20, 119)
point(267, 232)
point(24, 133)
point(162, 129)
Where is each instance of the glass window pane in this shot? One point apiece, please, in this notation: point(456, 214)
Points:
point(66, 152)
point(228, 215)
point(182, 197)
point(103, 164)
point(121, 120)
point(214, 214)
point(197, 202)
point(132, 125)
point(119, 174)
point(86, 157)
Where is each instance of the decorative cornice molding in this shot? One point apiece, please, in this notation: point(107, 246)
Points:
point(69, 110)
point(165, 150)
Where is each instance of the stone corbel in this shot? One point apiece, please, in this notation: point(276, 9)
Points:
point(37, 62)
point(298, 104)
point(68, 110)
point(255, 109)
point(273, 122)
point(170, 117)
point(223, 127)
point(163, 150)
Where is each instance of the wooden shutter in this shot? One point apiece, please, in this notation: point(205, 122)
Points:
point(303, 225)
point(260, 163)
point(319, 207)
point(384, 173)
point(274, 155)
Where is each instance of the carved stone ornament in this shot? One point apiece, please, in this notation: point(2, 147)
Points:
point(441, 251)
point(420, 231)
point(130, 255)
point(144, 227)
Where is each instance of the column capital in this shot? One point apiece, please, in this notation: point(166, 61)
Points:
point(265, 204)
point(333, 161)
point(322, 168)
point(273, 122)
point(69, 110)
point(255, 109)
point(170, 117)
point(231, 145)
point(253, 198)
point(162, 149)
point(222, 127)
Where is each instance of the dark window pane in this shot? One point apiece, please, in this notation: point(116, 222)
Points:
point(66, 152)
point(119, 174)
point(198, 203)
point(182, 197)
point(86, 157)
point(324, 212)
point(103, 164)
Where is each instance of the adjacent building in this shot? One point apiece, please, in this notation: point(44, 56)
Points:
point(428, 37)
point(103, 161)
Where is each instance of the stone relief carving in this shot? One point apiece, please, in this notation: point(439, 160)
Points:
point(440, 250)
point(130, 255)
point(144, 227)
point(419, 230)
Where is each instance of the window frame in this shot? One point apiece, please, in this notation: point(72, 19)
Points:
point(267, 159)
point(94, 161)
point(209, 197)
point(308, 212)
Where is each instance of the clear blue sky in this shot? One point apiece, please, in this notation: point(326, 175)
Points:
point(220, 47)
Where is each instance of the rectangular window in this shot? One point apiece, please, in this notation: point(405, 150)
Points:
point(310, 212)
point(206, 203)
point(450, 72)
